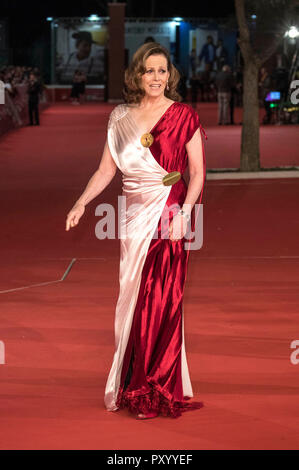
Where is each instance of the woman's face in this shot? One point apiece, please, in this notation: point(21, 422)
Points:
point(155, 78)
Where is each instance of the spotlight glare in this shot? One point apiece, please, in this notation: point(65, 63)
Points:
point(93, 18)
point(292, 33)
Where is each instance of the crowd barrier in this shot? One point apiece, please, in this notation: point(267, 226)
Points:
point(14, 111)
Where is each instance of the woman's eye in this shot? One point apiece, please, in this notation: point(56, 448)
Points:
point(150, 71)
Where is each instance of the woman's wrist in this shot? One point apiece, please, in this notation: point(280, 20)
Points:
point(79, 203)
point(187, 207)
point(185, 214)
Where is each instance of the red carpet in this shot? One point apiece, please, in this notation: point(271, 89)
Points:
point(241, 299)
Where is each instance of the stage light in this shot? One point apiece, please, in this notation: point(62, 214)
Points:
point(292, 33)
point(49, 18)
point(177, 19)
point(93, 18)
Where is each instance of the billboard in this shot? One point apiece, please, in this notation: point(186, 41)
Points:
point(80, 47)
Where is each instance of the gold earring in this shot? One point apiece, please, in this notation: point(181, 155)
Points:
point(167, 86)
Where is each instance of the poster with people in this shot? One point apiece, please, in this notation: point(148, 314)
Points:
point(81, 49)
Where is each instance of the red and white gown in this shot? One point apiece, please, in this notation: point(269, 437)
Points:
point(149, 370)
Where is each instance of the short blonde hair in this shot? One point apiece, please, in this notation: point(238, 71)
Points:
point(133, 91)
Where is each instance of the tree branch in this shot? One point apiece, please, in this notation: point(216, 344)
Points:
point(244, 41)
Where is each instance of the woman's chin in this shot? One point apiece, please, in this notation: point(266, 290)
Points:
point(155, 93)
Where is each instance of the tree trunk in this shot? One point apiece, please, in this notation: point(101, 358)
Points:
point(250, 146)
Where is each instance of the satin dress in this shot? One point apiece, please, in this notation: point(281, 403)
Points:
point(149, 371)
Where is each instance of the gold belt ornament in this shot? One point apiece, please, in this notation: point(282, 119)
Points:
point(171, 178)
point(147, 140)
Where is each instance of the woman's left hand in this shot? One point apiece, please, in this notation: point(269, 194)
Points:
point(178, 227)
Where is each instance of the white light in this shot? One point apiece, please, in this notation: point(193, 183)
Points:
point(49, 18)
point(93, 18)
point(293, 32)
point(177, 18)
point(253, 17)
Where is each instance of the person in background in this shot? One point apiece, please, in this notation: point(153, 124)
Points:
point(192, 59)
point(221, 55)
point(78, 86)
point(224, 82)
point(208, 52)
point(82, 82)
point(265, 88)
point(233, 98)
point(33, 90)
point(205, 82)
point(149, 39)
point(194, 84)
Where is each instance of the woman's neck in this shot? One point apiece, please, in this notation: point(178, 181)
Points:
point(149, 102)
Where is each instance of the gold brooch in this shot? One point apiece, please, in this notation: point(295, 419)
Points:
point(171, 178)
point(147, 140)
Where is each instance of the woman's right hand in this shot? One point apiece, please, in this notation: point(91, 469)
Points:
point(74, 215)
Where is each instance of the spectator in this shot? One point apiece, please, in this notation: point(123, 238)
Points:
point(33, 90)
point(221, 55)
point(78, 86)
point(194, 84)
point(149, 39)
point(208, 52)
point(193, 63)
point(182, 85)
point(205, 83)
point(224, 82)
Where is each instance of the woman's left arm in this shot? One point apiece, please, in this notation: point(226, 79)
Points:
point(196, 170)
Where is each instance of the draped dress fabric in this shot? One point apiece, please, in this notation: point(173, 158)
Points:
point(149, 371)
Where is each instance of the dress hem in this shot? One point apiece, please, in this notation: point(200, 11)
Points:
point(154, 401)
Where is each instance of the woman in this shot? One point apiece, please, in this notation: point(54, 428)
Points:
point(150, 138)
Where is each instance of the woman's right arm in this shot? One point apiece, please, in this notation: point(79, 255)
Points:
point(97, 183)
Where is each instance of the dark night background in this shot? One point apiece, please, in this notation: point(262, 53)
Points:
point(29, 32)
point(28, 19)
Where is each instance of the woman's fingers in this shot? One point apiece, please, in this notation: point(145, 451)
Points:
point(71, 221)
point(177, 230)
point(171, 235)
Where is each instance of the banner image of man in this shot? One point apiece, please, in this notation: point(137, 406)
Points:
point(84, 59)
